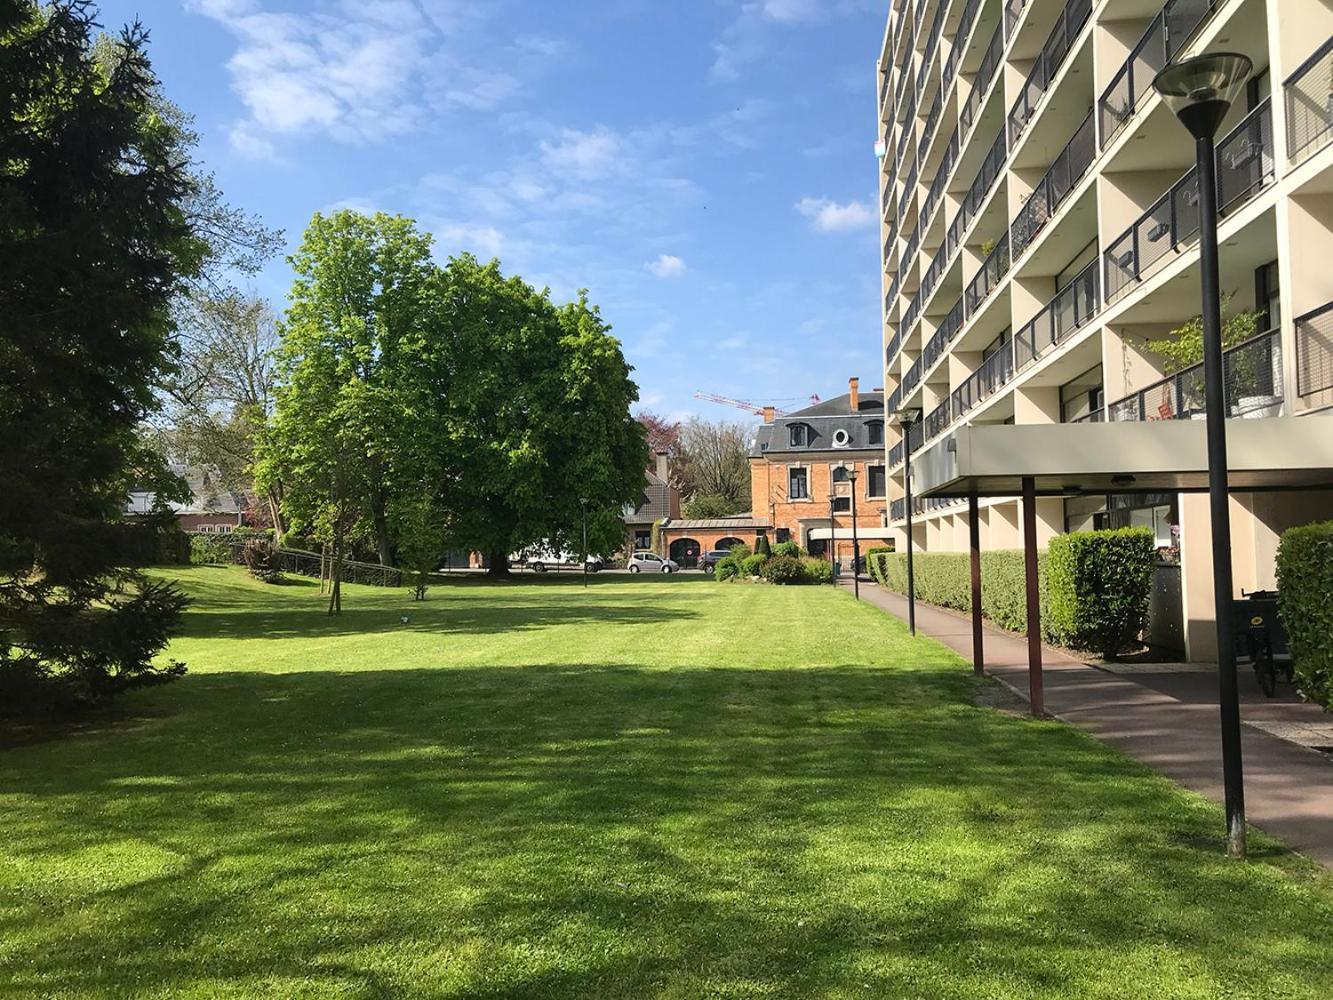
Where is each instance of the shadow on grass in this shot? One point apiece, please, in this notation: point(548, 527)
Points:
point(620, 832)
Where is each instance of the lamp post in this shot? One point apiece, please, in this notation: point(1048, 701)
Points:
point(832, 529)
point(1200, 92)
point(856, 543)
point(906, 418)
point(583, 502)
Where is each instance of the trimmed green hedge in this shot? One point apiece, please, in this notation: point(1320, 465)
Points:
point(1092, 583)
point(1305, 605)
point(752, 565)
point(1097, 588)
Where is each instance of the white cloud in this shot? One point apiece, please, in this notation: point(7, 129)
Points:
point(483, 242)
point(667, 266)
point(586, 154)
point(829, 216)
point(746, 39)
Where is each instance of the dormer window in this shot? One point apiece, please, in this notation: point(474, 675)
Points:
point(800, 435)
point(875, 432)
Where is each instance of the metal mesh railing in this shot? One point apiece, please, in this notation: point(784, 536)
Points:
point(1052, 56)
point(936, 193)
point(1245, 160)
point(1309, 94)
point(983, 383)
point(995, 267)
point(1051, 191)
point(1252, 380)
point(981, 85)
point(1314, 351)
point(1077, 303)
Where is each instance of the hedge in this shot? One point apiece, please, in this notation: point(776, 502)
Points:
point(1305, 606)
point(1097, 588)
point(752, 564)
point(1094, 585)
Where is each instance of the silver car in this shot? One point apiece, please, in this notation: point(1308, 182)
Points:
point(651, 562)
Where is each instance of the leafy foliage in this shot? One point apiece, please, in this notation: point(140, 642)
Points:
point(816, 570)
point(784, 570)
point(421, 533)
point(751, 565)
point(945, 579)
point(206, 549)
point(787, 548)
point(762, 547)
point(715, 463)
point(1097, 588)
point(93, 247)
point(727, 568)
point(709, 505)
point(1305, 605)
point(262, 559)
point(1183, 346)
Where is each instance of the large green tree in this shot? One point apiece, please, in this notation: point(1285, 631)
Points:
point(94, 245)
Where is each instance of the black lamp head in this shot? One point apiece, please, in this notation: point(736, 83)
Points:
point(1201, 90)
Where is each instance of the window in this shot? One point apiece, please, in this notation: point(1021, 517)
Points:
point(841, 439)
point(1082, 398)
point(798, 483)
point(875, 486)
point(643, 539)
point(784, 535)
point(800, 435)
point(875, 432)
point(1000, 343)
point(840, 473)
point(842, 505)
point(1267, 297)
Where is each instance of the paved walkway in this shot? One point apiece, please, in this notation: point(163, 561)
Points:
point(1167, 720)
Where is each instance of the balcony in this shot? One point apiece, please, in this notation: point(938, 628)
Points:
point(936, 192)
point(1051, 191)
point(995, 268)
point(981, 85)
point(1309, 93)
point(1076, 303)
point(966, 23)
point(938, 264)
point(1013, 13)
point(913, 245)
point(908, 191)
point(993, 375)
point(984, 182)
point(912, 312)
point(939, 343)
point(1244, 166)
point(932, 119)
point(1252, 387)
point(894, 403)
point(913, 377)
point(1314, 351)
point(932, 46)
point(1049, 60)
point(895, 343)
point(897, 508)
point(1164, 37)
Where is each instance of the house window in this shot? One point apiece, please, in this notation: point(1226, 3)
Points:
point(800, 435)
point(643, 539)
point(1083, 398)
point(840, 473)
point(798, 483)
point(842, 505)
point(1267, 297)
point(876, 482)
point(784, 535)
point(875, 432)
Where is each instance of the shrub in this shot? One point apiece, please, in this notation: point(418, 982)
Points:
point(1097, 588)
point(210, 549)
point(751, 565)
point(784, 570)
point(761, 546)
point(945, 579)
point(816, 570)
point(1305, 606)
point(739, 551)
point(787, 549)
point(261, 559)
point(726, 568)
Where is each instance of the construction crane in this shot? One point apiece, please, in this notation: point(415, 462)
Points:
point(742, 404)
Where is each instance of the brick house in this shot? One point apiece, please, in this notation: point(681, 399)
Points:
point(212, 507)
point(801, 460)
point(687, 540)
point(660, 502)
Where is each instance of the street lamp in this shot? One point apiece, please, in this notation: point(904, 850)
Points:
point(1200, 92)
point(856, 544)
point(832, 529)
point(906, 417)
point(583, 502)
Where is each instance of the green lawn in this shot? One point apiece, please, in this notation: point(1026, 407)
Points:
point(654, 788)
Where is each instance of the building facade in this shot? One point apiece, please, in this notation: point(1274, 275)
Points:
point(806, 466)
point(1040, 258)
point(660, 502)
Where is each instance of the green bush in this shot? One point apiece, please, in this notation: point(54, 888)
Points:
point(262, 560)
point(816, 570)
point(726, 568)
point(787, 549)
point(761, 547)
point(1305, 605)
point(1097, 588)
point(784, 570)
point(945, 579)
point(751, 565)
point(210, 549)
point(739, 551)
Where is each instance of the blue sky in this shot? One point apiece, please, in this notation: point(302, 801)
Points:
point(703, 167)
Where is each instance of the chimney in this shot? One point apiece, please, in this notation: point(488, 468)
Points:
point(662, 469)
point(768, 414)
point(854, 392)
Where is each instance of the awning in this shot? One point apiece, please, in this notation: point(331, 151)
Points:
point(1163, 456)
point(839, 534)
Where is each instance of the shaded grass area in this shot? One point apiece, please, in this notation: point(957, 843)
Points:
point(650, 789)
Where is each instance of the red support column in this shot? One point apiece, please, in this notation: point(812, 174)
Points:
point(974, 532)
point(1035, 693)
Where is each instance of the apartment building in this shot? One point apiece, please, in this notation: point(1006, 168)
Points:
point(1040, 260)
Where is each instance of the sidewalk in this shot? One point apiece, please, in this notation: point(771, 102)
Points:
point(1288, 788)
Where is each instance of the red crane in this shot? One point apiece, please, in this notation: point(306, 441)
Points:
point(742, 404)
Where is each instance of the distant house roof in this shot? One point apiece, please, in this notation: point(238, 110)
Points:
point(208, 496)
point(824, 421)
point(656, 503)
point(719, 523)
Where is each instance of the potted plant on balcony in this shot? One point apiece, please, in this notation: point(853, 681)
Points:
point(1250, 375)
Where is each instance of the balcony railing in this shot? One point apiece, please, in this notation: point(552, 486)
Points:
point(1314, 351)
point(983, 383)
point(908, 191)
point(995, 268)
point(935, 272)
point(1013, 13)
point(1251, 380)
point(981, 84)
point(895, 401)
point(1076, 303)
point(1163, 38)
point(966, 23)
point(936, 420)
point(938, 343)
point(1097, 416)
point(888, 246)
point(913, 377)
point(987, 174)
point(1051, 191)
point(936, 193)
point(1245, 164)
point(898, 508)
point(1309, 93)
point(932, 46)
point(932, 119)
point(913, 245)
point(912, 312)
point(1049, 60)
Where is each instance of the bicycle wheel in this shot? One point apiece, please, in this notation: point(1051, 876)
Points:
point(1267, 675)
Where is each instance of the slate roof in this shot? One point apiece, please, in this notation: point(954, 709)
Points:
point(823, 419)
point(655, 503)
point(705, 523)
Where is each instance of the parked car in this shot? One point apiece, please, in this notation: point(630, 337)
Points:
point(540, 562)
point(710, 560)
point(651, 562)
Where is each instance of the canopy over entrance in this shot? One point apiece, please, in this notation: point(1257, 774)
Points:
point(1126, 457)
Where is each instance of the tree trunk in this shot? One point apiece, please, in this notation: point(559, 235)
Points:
point(336, 575)
point(499, 566)
point(380, 519)
point(275, 514)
